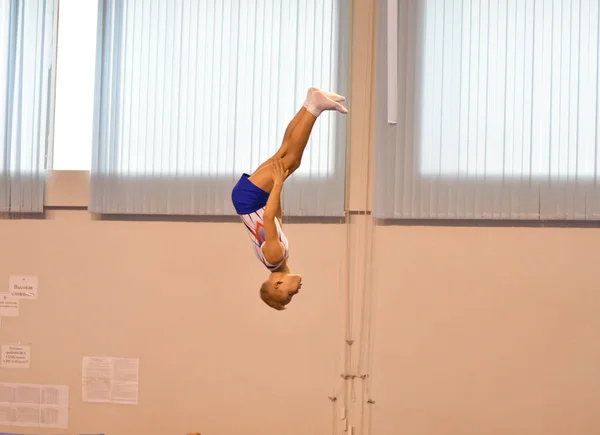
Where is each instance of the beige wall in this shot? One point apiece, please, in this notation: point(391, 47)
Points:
point(461, 330)
point(487, 331)
point(212, 357)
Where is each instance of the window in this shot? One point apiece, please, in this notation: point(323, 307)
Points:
point(191, 94)
point(510, 88)
point(26, 48)
point(75, 77)
point(208, 87)
point(497, 110)
point(25, 67)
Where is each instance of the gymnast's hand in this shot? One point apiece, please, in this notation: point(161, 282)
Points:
point(279, 173)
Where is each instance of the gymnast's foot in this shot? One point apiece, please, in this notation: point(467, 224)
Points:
point(317, 102)
point(331, 95)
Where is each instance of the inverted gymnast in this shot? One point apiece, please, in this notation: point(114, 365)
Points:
point(257, 199)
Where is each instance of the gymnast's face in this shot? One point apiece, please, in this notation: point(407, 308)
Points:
point(286, 287)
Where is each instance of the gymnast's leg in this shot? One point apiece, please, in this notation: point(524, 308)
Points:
point(282, 151)
point(297, 135)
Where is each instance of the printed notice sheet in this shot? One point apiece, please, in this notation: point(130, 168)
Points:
point(110, 380)
point(15, 356)
point(23, 287)
point(9, 307)
point(31, 405)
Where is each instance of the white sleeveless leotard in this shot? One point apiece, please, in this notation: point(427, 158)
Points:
point(255, 225)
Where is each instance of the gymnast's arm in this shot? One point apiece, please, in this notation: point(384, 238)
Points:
point(272, 249)
point(279, 213)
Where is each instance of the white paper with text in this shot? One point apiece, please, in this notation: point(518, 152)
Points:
point(15, 356)
point(110, 380)
point(33, 405)
point(9, 307)
point(23, 287)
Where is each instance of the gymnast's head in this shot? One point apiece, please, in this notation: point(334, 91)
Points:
point(279, 289)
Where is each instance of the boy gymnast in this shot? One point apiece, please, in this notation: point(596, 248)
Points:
point(257, 199)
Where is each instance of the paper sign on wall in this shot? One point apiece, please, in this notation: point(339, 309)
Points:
point(110, 380)
point(9, 307)
point(34, 405)
point(15, 356)
point(23, 287)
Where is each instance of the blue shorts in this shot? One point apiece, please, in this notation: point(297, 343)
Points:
point(247, 197)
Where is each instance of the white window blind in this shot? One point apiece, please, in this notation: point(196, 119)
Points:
point(497, 110)
point(26, 48)
point(191, 93)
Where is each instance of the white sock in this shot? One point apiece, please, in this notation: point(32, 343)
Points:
point(317, 102)
point(331, 95)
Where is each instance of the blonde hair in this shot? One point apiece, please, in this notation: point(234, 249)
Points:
point(265, 295)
